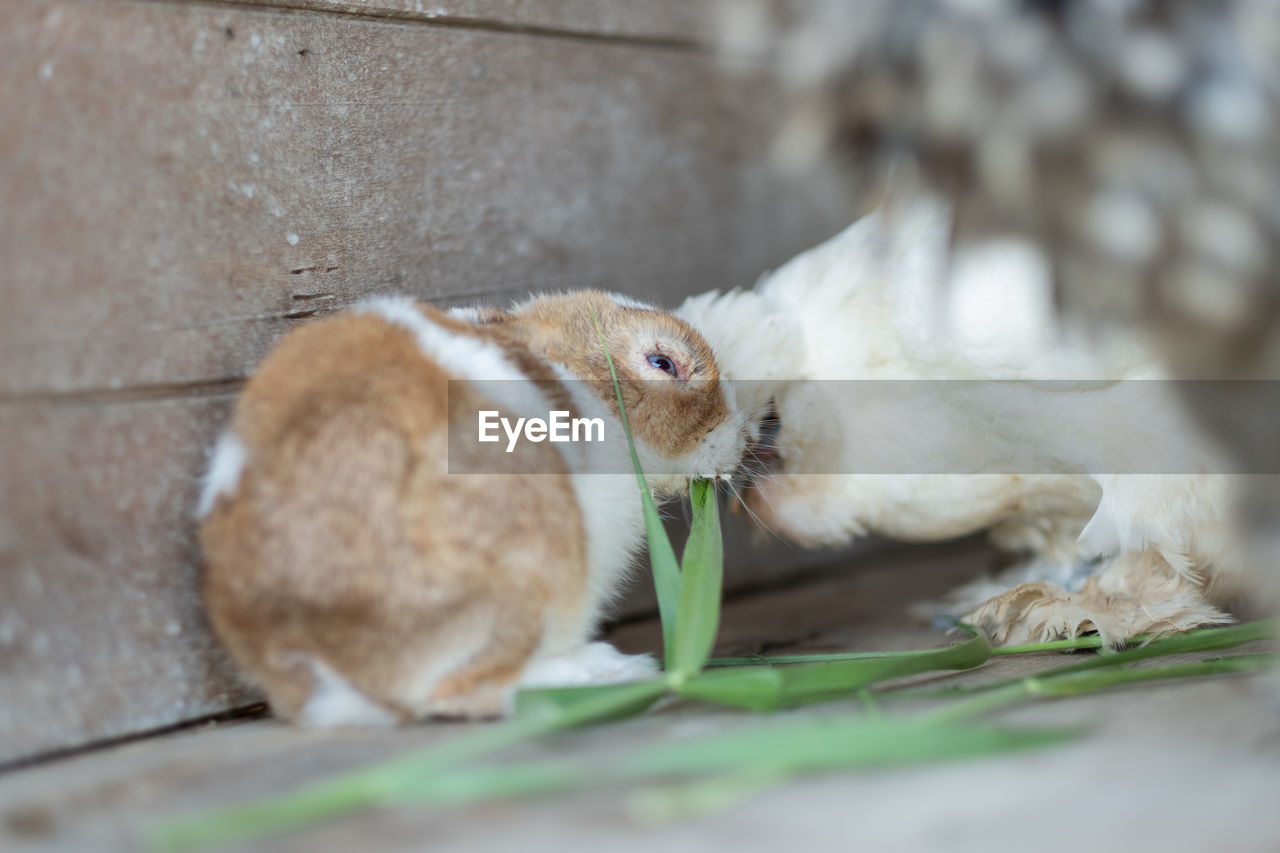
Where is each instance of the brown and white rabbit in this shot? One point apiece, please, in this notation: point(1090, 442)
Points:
point(359, 582)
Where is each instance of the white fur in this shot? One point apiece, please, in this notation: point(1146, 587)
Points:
point(463, 356)
point(619, 299)
point(886, 300)
point(334, 702)
point(612, 514)
point(593, 663)
point(1185, 518)
point(613, 521)
point(225, 466)
point(880, 301)
point(467, 314)
point(624, 301)
point(717, 456)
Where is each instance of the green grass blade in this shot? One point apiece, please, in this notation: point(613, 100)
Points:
point(666, 574)
point(769, 755)
point(741, 761)
point(823, 657)
point(1080, 683)
point(1091, 641)
point(773, 750)
point(705, 796)
point(1208, 639)
point(819, 682)
point(466, 785)
point(662, 557)
point(746, 759)
point(390, 780)
point(755, 756)
point(1060, 683)
point(767, 688)
point(701, 576)
point(755, 688)
point(348, 793)
point(572, 706)
point(824, 743)
point(1084, 643)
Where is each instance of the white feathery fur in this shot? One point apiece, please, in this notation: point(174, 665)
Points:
point(465, 313)
point(462, 355)
point(883, 300)
point(612, 516)
point(334, 702)
point(225, 466)
point(624, 301)
point(593, 663)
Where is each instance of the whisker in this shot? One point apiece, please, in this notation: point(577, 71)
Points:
point(759, 522)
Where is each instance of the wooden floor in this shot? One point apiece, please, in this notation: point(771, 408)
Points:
point(1193, 766)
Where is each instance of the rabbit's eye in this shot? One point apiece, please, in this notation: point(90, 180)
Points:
point(666, 365)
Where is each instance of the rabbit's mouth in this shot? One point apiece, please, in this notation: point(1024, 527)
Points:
point(761, 458)
point(760, 461)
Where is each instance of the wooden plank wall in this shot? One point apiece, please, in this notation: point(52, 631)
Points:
point(181, 183)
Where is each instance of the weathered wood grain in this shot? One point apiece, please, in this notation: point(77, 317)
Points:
point(101, 630)
point(672, 23)
point(180, 184)
point(183, 183)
